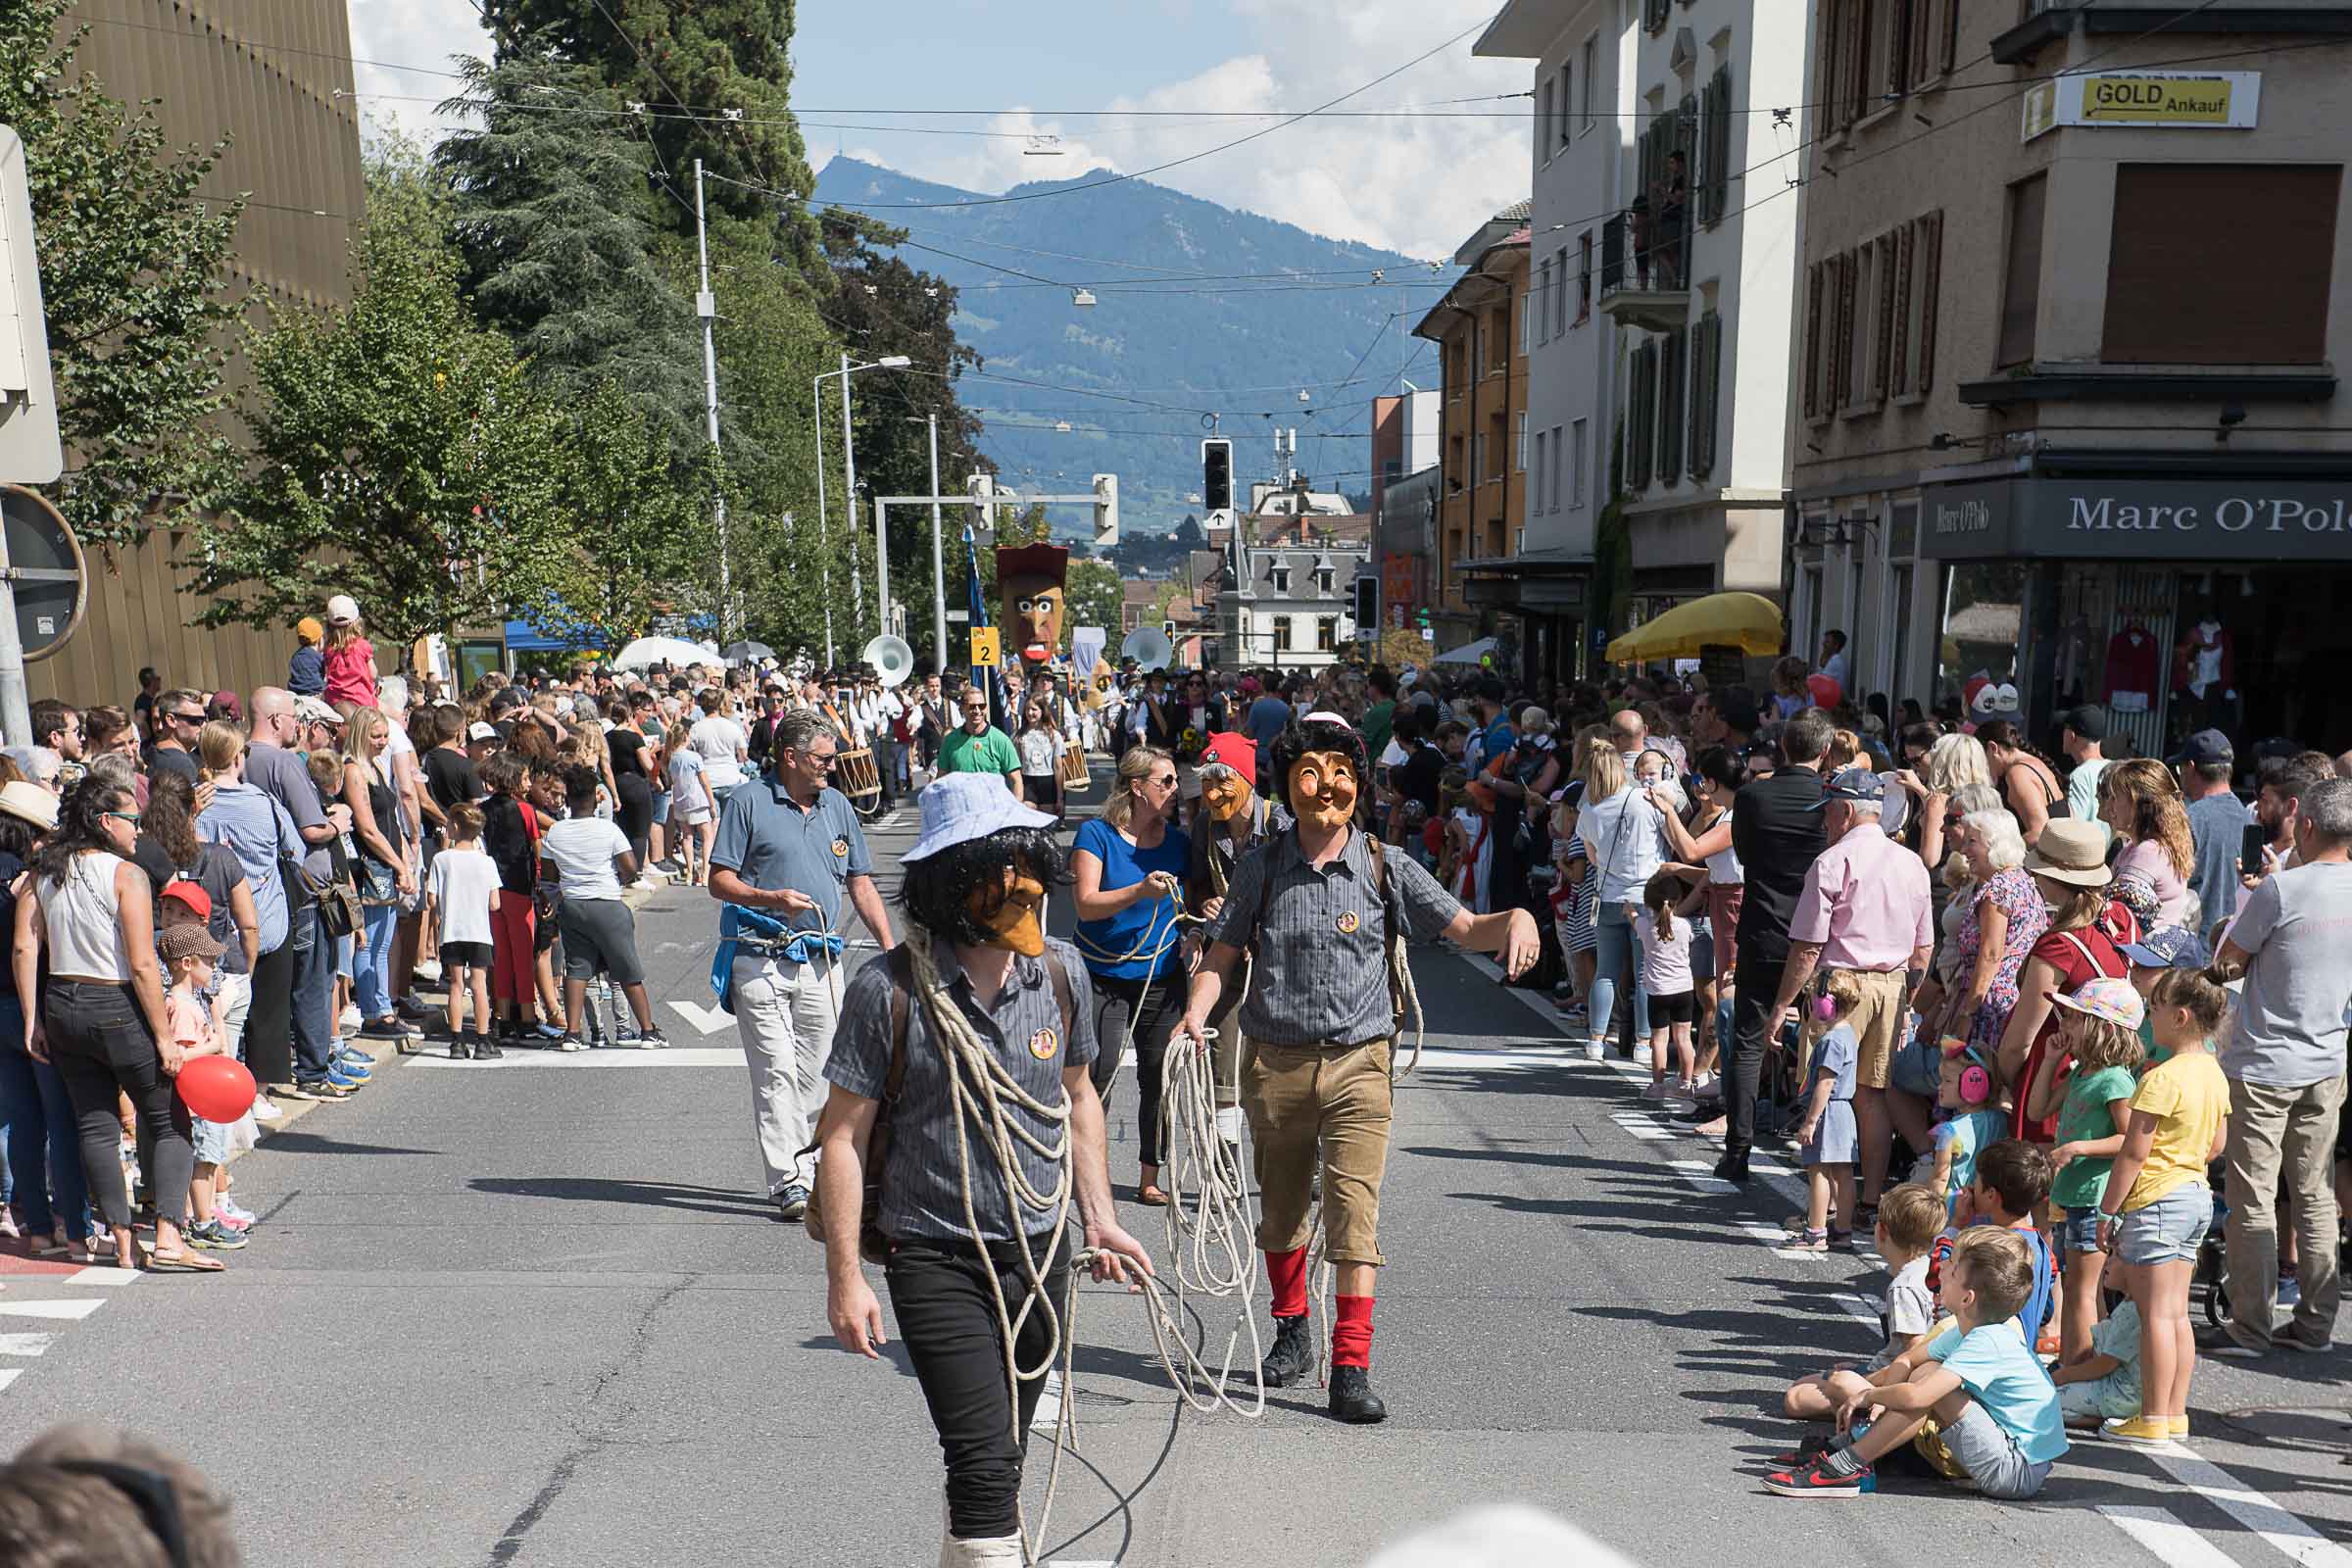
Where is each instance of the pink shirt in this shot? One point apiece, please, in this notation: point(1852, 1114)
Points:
point(351, 673)
point(1865, 900)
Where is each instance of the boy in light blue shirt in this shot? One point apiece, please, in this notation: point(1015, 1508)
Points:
point(1995, 1411)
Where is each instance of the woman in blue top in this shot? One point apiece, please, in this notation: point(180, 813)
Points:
point(1128, 867)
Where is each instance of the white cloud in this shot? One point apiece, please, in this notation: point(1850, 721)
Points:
point(1414, 183)
point(416, 33)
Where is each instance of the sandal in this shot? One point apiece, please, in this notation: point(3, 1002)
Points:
point(182, 1261)
point(1151, 1195)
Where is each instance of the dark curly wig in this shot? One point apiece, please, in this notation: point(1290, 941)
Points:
point(935, 891)
point(1302, 736)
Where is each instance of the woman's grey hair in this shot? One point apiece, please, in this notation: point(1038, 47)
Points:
point(1969, 798)
point(1997, 830)
point(36, 762)
point(116, 769)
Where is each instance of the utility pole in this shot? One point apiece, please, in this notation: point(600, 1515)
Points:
point(849, 498)
point(824, 548)
point(708, 309)
point(939, 569)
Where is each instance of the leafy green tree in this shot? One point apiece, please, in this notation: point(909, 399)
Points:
point(556, 221)
point(638, 523)
point(715, 78)
point(1096, 597)
point(401, 453)
point(133, 268)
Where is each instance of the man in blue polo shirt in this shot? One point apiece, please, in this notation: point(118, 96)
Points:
point(789, 853)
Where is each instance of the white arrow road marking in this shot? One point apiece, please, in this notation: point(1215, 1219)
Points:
point(77, 1309)
point(708, 1020)
point(25, 1344)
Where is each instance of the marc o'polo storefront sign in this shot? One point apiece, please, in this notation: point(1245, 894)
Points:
point(2154, 520)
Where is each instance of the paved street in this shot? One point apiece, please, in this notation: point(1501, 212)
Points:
point(533, 1312)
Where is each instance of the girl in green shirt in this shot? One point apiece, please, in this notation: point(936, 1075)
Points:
point(2102, 1045)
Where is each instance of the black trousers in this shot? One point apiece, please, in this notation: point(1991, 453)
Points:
point(1157, 1008)
point(948, 1319)
point(269, 1018)
point(100, 1043)
point(1756, 980)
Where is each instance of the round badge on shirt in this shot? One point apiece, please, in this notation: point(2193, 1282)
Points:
point(1042, 1045)
point(841, 849)
point(1346, 922)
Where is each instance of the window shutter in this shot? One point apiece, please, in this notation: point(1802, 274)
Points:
point(1949, 43)
point(1717, 190)
point(1930, 272)
point(1841, 347)
point(1824, 65)
point(1921, 28)
point(1855, 85)
point(1707, 382)
point(1813, 287)
point(1643, 410)
point(1882, 335)
point(1672, 373)
point(1899, 352)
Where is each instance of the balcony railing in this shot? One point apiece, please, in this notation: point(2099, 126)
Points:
point(1646, 268)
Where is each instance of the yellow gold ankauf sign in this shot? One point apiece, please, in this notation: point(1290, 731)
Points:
point(2218, 100)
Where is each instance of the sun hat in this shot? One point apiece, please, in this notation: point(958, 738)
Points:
point(28, 802)
point(342, 610)
point(2111, 999)
point(189, 939)
point(2070, 852)
point(963, 806)
point(315, 711)
point(1852, 784)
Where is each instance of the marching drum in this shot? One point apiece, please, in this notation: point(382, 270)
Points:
point(856, 776)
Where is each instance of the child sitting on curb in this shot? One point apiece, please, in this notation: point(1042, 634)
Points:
point(1995, 1411)
point(1909, 1218)
point(2103, 1382)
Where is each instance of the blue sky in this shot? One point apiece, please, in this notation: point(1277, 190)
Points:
point(1416, 183)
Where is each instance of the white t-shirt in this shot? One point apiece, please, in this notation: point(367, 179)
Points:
point(583, 849)
point(722, 743)
point(460, 883)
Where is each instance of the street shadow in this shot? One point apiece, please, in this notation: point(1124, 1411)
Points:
point(638, 1193)
point(301, 1143)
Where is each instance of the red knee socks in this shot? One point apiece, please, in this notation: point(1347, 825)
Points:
point(1351, 1331)
point(1288, 1272)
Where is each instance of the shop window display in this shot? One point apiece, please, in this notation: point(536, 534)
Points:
point(1983, 616)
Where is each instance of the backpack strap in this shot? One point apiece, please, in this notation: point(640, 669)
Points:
point(901, 990)
point(1395, 932)
point(1061, 994)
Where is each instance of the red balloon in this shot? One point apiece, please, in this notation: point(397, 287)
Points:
point(215, 1087)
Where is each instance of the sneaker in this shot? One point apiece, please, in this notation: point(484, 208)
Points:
point(2224, 1342)
point(1655, 1090)
point(792, 1200)
point(230, 1212)
point(1820, 1480)
point(388, 1027)
point(350, 1054)
point(566, 1042)
point(428, 968)
point(1595, 1049)
point(354, 1071)
point(214, 1236)
point(410, 1008)
point(2144, 1430)
point(345, 1081)
point(460, 1049)
point(315, 1089)
point(1708, 1087)
point(347, 1020)
point(2296, 1338)
point(1810, 1448)
point(2290, 1291)
point(546, 1031)
point(651, 1040)
point(265, 1109)
point(2180, 1424)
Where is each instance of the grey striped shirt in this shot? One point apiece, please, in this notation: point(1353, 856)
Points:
point(1321, 974)
point(921, 1193)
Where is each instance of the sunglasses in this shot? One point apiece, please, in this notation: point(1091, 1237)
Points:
point(189, 718)
point(132, 817)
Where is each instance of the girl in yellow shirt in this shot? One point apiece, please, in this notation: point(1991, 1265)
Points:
point(2158, 1205)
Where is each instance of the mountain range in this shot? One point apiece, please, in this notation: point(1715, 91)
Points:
point(1196, 309)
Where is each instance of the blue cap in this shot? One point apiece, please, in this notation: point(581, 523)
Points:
point(2168, 946)
point(963, 806)
point(1852, 784)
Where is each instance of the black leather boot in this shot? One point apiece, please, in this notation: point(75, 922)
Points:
point(1293, 1353)
point(1352, 1398)
point(1733, 1168)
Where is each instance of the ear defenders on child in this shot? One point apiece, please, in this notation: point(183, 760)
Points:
point(1976, 1083)
point(1825, 1008)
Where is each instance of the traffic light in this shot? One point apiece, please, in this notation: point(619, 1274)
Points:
point(1367, 605)
point(1106, 510)
point(1216, 474)
point(981, 486)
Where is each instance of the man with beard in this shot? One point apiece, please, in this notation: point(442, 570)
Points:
point(1322, 910)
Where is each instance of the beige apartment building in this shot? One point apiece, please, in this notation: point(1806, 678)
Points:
point(274, 75)
point(2065, 424)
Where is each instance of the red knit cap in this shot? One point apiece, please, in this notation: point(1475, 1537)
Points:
point(1236, 752)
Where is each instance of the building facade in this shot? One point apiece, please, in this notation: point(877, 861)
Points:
point(2065, 413)
point(1482, 421)
point(1663, 276)
point(273, 76)
point(1286, 590)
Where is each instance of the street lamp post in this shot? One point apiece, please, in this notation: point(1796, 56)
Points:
point(849, 500)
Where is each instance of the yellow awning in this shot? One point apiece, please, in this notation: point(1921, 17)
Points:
point(1749, 622)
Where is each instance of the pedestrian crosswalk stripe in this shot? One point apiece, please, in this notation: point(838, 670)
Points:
point(2163, 1533)
point(25, 1344)
point(2250, 1508)
point(104, 1274)
point(1049, 1406)
point(619, 1056)
point(10, 1375)
point(77, 1308)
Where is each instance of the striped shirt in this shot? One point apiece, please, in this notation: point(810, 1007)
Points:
point(1320, 945)
point(922, 1194)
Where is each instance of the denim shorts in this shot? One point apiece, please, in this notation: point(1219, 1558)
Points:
point(660, 806)
point(2169, 1229)
point(210, 1139)
point(2081, 1233)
